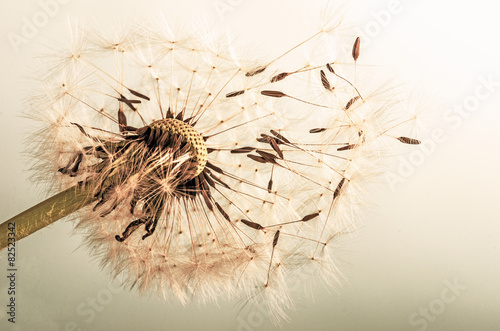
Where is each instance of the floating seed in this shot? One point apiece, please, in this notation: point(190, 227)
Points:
point(355, 49)
point(242, 150)
point(256, 71)
point(279, 77)
point(309, 217)
point(222, 211)
point(351, 102)
point(235, 94)
point(253, 225)
point(274, 94)
point(279, 136)
point(274, 145)
point(128, 100)
point(139, 95)
point(276, 237)
point(257, 158)
point(330, 68)
point(267, 156)
point(339, 187)
point(410, 141)
point(345, 148)
point(317, 130)
point(324, 81)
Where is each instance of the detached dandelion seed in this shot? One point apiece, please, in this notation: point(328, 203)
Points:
point(189, 175)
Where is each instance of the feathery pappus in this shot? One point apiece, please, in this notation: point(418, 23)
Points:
point(201, 174)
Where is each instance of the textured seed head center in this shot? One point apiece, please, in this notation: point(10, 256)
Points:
point(190, 136)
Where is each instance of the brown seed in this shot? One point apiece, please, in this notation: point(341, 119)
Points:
point(253, 225)
point(256, 71)
point(324, 81)
point(209, 180)
point(355, 49)
point(274, 145)
point(317, 130)
point(267, 156)
point(214, 168)
point(139, 95)
point(129, 101)
point(276, 237)
point(122, 119)
point(270, 185)
point(274, 94)
point(309, 217)
point(220, 182)
point(80, 128)
point(410, 141)
point(242, 150)
point(257, 158)
point(351, 102)
point(234, 94)
point(267, 139)
point(222, 211)
point(330, 68)
point(279, 136)
point(205, 196)
point(279, 77)
point(345, 148)
point(339, 187)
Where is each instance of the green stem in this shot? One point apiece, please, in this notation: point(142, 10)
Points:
point(45, 213)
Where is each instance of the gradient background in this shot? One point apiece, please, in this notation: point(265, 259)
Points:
point(440, 224)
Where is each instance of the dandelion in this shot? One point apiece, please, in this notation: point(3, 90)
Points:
point(188, 171)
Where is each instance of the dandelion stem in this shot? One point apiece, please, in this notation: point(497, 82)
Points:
point(45, 213)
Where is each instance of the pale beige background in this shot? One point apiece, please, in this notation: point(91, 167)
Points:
point(439, 224)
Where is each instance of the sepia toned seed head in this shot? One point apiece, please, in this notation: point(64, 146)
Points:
point(208, 180)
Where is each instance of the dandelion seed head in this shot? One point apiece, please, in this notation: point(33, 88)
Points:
point(212, 173)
